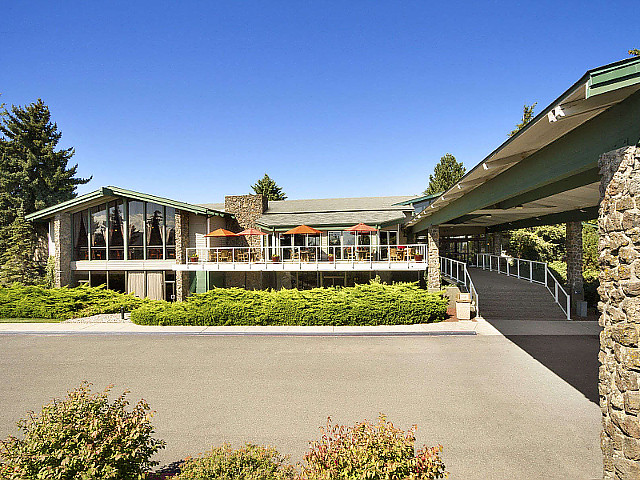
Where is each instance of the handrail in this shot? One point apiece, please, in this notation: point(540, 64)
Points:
point(527, 270)
point(410, 253)
point(457, 270)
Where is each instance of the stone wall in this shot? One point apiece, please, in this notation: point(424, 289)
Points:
point(433, 253)
point(573, 245)
point(182, 243)
point(247, 209)
point(619, 250)
point(62, 239)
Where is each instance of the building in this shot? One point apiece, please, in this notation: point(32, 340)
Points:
point(158, 248)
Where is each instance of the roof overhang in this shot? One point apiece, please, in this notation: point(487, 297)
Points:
point(549, 166)
point(111, 192)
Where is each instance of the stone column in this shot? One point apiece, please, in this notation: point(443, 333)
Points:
point(433, 268)
point(182, 243)
point(573, 244)
point(619, 251)
point(496, 243)
point(62, 239)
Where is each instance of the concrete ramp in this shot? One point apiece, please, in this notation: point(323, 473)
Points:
point(508, 298)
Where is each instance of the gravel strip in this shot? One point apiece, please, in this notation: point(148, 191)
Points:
point(102, 318)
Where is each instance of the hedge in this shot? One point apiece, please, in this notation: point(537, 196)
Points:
point(370, 304)
point(20, 301)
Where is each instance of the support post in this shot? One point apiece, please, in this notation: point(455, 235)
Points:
point(573, 243)
point(619, 253)
point(433, 274)
point(63, 242)
point(182, 243)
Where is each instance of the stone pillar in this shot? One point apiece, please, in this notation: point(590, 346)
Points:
point(433, 265)
point(496, 243)
point(573, 244)
point(619, 253)
point(247, 209)
point(62, 239)
point(182, 243)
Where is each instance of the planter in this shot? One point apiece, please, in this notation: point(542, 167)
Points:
point(418, 257)
point(275, 258)
point(193, 259)
point(331, 258)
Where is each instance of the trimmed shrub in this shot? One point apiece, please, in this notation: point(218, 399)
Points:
point(249, 462)
point(20, 301)
point(83, 436)
point(375, 452)
point(371, 304)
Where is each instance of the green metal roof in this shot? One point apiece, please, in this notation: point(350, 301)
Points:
point(419, 199)
point(111, 191)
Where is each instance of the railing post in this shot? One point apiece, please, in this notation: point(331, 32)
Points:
point(546, 284)
point(531, 273)
point(556, 290)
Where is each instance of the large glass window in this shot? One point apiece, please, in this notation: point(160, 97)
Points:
point(80, 236)
point(136, 230)
point(155, 227)
point(116, 233)
point(170, 228)
point(334, 244)
point(99, 232)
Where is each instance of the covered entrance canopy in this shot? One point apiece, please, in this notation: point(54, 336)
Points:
point(548, 172)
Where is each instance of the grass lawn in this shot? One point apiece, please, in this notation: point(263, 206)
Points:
point(29, 320)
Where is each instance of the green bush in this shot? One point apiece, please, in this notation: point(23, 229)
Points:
point(369, 451)
point(251, 462)
point(20, 301)
point(84, 437)
point(371, 304)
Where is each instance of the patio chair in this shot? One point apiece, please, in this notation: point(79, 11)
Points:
point(394, 255)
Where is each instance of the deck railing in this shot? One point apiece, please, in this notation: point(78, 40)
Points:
point(413, 253)
point(457, 270)
point(535, 272)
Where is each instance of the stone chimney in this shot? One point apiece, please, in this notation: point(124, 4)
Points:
point(247, 210)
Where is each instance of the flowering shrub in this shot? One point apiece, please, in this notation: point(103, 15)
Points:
point(82, 437)
point(375, 452)
point(251, 462)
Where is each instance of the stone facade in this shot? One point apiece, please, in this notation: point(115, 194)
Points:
point(573, 245)
point(182, 243)
point(247, 209)
point(433, 252)
point(619, 253)
point(62, 239)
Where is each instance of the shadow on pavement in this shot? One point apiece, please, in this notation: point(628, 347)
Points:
point(574, 358)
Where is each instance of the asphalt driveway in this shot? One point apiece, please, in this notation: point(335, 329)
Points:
point(499, 412)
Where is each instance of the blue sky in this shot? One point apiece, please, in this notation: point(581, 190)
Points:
point(195, 100)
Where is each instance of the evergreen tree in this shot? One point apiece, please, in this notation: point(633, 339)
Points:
point(267, 186)
point(635, 52)
point(445, 175)
point(33, 173)
point(527, 115)
point(17, 259)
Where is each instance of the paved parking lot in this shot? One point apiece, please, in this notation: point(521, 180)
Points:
point(499, 412)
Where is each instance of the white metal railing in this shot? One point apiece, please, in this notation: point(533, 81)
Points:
point(414, 253)
point(457, 270)
point(535, 272)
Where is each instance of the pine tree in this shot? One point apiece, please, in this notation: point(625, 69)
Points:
point(635, 52)
point(33, 173)
point(268, 187)
point(17, 259)
point(527, 115)
point(445, 175)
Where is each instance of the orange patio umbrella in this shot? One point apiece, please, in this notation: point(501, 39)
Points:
point(361, 228)
point(251, 232)
point(303, 230)
point(221, 232)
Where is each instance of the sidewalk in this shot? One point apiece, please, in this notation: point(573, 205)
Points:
point(480, 327)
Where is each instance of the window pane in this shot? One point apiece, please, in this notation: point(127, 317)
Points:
point(313, 240)
point(80, 236)
point(154, 225)
point(99, 232)
point(116, 234)
point(116, 281)
point(348, 238)
point(98, 278)
point(136, 225)
point(170, 222)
